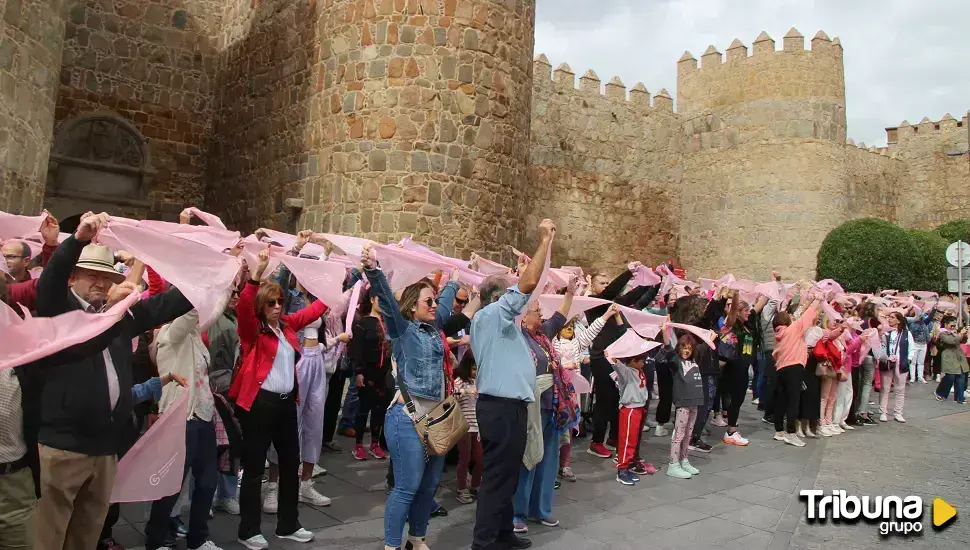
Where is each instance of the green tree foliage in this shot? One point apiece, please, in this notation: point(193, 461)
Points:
point(958, 230)
point(868, 254)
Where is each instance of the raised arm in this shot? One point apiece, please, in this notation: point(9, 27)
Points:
point(529, 279)
point(159, 310)
point(397, 325)
point(585, 336)
point(616, 286)
point(647, 297)
point(446, 302)
point(178, 330)
point(247, 325)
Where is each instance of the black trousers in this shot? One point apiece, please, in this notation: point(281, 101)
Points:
point(856, 392)
point(606, 408)
point(271, 419)
point(331, 408)
point(665, 387)
point(502, 425)
point(789, 390)
point(767, 400)
point(734, 385)
point(370, 401)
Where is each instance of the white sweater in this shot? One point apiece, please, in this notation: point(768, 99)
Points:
point(179, 344)
point(571, 351)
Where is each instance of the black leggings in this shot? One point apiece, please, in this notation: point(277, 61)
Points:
point(789, 389)
point(665, 387)
point(370, 401)
point(734, 384)
point(606, 408)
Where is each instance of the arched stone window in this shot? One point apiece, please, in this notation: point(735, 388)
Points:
point(98, 160)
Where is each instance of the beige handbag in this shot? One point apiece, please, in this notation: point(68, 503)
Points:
point(442, 427)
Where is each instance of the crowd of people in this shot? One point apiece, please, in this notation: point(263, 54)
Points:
point(510, 365)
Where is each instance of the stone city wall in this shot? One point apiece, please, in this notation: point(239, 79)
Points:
point(151, 62)
point(31, 38)
point(938, 189)
point(873, 180)
point(605, 167)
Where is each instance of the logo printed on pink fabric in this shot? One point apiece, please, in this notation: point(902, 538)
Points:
point(157, 477)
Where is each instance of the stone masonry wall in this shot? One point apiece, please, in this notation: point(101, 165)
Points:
point(765, 175)
point(605, 168)
point(153, 63)
point(938, 190)
point(873, 180)
point(263, 146)
point(31, 38)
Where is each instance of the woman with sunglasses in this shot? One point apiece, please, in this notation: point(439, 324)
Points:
point(414, 324)
point(265, 390)
point(953, 362)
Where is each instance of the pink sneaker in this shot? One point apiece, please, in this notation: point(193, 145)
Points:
point(377, 452)
point(359, 453)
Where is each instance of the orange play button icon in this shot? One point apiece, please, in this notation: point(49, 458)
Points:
point(943, 513)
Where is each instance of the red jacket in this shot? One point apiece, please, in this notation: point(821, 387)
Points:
point(258, 343)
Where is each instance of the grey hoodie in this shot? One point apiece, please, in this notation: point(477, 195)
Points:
point(633, 387)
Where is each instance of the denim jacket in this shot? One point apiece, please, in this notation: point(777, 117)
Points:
point(418, 347)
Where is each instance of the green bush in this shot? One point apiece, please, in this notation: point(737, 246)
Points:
point(869, 254)
point(954, 231)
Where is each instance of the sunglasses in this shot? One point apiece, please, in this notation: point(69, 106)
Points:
point(461, 302)
point(274, 303)
point(430, 302)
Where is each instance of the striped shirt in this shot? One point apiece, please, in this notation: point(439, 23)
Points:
point(467, 402)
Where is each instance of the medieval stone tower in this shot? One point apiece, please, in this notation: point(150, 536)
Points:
point(386, 118)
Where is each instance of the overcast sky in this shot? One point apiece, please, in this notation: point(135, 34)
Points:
point(904, 59)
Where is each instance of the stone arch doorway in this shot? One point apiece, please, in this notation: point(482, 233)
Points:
point(99, 162)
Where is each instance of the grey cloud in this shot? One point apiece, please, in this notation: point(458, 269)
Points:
point(903, 59)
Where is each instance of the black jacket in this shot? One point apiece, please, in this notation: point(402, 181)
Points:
point(638, 298)
point(75, 412)
point(370, 350)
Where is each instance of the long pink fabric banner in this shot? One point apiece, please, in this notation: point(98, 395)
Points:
point(26, 340)
point(549, 303)
point(204, 275)
point(645, 324)
point(207, 218)
point(153, 467)
point(13, 226)
point(323, 279)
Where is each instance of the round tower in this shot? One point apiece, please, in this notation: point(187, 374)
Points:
point(31, 39)
point(427, 106)
point(765, 169)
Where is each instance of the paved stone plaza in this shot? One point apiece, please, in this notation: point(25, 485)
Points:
point(745, 498)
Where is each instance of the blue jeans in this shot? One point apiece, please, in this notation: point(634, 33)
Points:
point(349, 414)
point(710, 394)
point(959, 384)
point(759, 382)
point(226, 488)
point(533, 495)
point(416, 477)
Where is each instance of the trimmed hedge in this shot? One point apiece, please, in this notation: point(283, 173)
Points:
point(869, 254)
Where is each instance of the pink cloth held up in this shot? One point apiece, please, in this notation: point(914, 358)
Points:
point(207, 218)
point(549, 303)
point(14, 226)
point(212, 237)
point(628, 345)
point(644, 323)
point(153, 467)
point(706, 336)
point(204, 275)
point(26, 340)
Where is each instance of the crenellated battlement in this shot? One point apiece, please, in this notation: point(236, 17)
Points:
point(883, 151)
point(763, 49)
point(925, 127)
point(563, 80)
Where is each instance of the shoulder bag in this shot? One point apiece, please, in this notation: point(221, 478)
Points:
point(444, 425)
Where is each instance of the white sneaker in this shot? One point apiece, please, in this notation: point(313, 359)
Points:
point(824, 431)
point(937, 377)
point(793, 439)
point(835, 429)
point(799, 431)
point(922, 380)
point(660, 431)
point(735, 439)
point(779, 436)
point(755, 401)
point(309, 494)
point(228, 505)
point(845, 427)
point(899, 418)
point(208, 545)
point(271, 500)
point(256, 542)
point(300, 535)
point(884, 417)
point(651, 424)
point(810, 433)
point(719, 421)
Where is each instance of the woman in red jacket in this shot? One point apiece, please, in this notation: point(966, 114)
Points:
point(265, 392)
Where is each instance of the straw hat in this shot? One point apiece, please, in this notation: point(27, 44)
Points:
point(99, 258)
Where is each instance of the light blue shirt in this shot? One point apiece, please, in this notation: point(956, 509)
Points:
point(505, 364)
point(280, 377)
